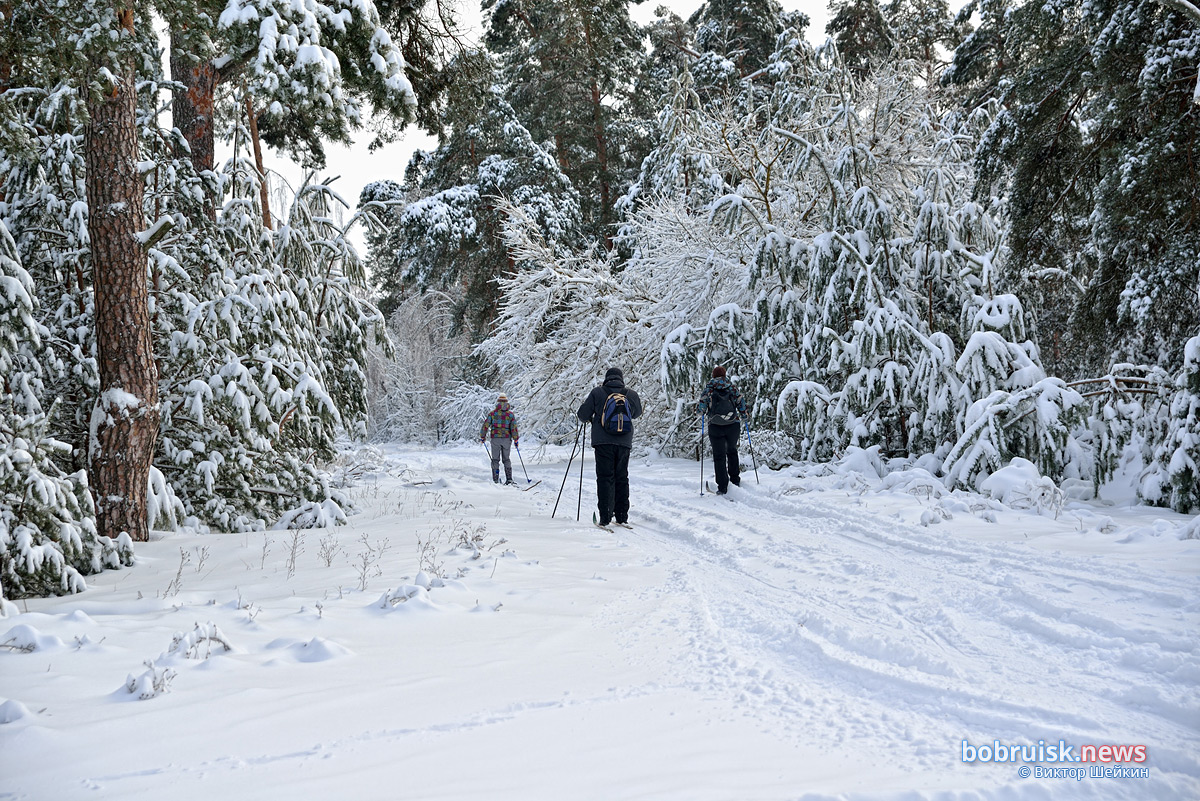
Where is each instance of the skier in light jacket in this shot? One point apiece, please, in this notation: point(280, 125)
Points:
point(501, 427)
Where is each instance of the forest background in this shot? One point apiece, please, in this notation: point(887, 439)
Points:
point(951, 236)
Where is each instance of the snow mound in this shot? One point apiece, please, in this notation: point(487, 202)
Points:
point(1190, 531)
point(410, 596)
point(1163, 529)
point(11, 711)
point(1019, 485)
point(863, 460)
point(917, 481)
point(28, 639)
point(200, 643)
point(312, 514)
point(318, 649)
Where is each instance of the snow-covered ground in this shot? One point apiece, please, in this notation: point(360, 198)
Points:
point(823, 634)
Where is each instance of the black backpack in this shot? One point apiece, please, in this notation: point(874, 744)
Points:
point(615, 417)
point(721, 410)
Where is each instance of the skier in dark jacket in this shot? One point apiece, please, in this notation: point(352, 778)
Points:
point(611, 450)
point(725, 409)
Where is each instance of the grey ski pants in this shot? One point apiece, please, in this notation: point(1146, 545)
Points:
point(501, 448)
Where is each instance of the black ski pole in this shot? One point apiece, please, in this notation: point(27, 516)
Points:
point(523, 470)
point(701, 456)
point(582, 459)
point(753, 460)
point(489, 455)
point(567, 472)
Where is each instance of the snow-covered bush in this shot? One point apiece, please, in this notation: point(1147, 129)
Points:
point(1172, 475)
point(771, 448)
point(260, 335)
point(263, 343)
point(1020, 485)
point(408, 384)
point(197, 643)
point(151, 683)
point(48, 538)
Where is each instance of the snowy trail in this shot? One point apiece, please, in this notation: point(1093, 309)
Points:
point(799, 641)
point(844, 623)
point(951, 639)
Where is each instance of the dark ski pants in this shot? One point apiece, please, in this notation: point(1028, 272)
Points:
point(501, 448)
point(724, 441)
point(612, 482)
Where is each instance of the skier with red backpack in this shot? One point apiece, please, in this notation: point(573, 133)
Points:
point(725, 409)
point(611, 408)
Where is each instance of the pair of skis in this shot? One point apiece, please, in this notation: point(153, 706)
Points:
point(608, 527)
point(714, 491)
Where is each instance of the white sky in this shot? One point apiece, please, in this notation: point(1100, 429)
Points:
point(355, 166)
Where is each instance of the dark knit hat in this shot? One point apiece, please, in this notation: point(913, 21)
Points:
point(718, 372)
point(614, 372)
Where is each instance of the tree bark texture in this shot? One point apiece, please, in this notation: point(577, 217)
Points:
point(125, 418)
point(194, 105)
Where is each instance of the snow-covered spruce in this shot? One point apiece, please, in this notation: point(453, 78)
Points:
point(48, 539)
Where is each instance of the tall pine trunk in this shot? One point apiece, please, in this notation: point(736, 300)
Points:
point(193, 106)
point(125, 419)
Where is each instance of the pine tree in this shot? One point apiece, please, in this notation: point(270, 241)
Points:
point(264, 354)
point(924, 30)
point(584, 55)
point(1172, 442)
point(313, 70)
point(735, 40)
point(1092, 150)
point(260, 336)
point(446, 233)
point(677, 166)
point(125, 418)
point(861, 32)
point(982, 59)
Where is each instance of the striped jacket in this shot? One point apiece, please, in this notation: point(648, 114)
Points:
point(500, 423)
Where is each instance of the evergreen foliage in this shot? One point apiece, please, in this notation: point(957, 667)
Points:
point(570, 68)
point(925, 31)
point(1095, 148)
point(734, 40)
point(1172, 443)
point(861, 32)
point(48, 539)
point(315, 71)
point(444, 226)
point(260, 335)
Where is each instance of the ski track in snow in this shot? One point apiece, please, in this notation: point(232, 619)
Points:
point(823, 619)
point(851, 627)
point(918, 610)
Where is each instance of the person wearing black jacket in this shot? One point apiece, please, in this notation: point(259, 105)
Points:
point(611, 449)
point(725, 409)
